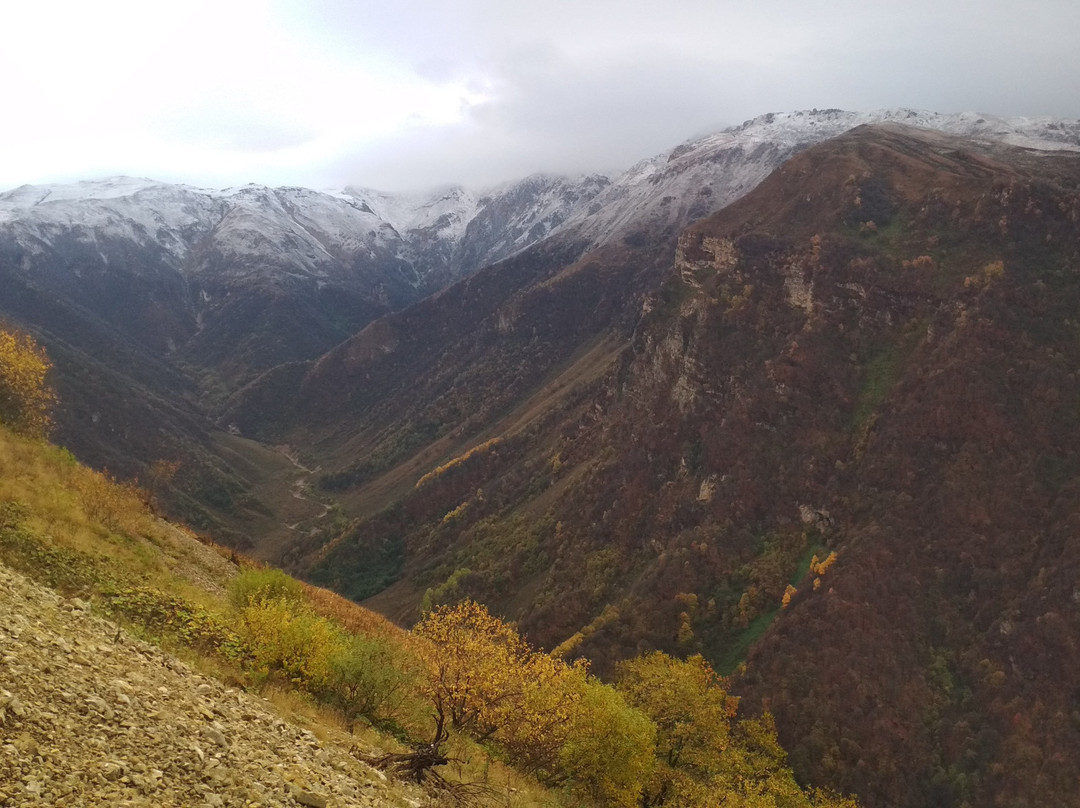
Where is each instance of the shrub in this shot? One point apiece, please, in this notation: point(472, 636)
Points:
point(187, 622)
point(256, 585)
point(289, 641)
point(118, 506)
point(366, 679)
point(26, 401)
point(551, 719)
point(609, 747)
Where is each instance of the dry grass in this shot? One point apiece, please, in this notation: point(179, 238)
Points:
point(111, 545)
point(351, 616)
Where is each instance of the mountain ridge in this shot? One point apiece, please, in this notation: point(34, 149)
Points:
point(201, 291)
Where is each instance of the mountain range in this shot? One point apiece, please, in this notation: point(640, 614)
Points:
point(799, 396)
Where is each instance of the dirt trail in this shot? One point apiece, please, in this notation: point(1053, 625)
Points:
point(301, 487)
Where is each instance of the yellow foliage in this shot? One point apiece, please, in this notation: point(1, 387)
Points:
point(536, 729)
point(256, 585)
point(568, 646)
point(991, 272)
point(608, 616)
point(476, 665)
point(609, 750)
point(689, 601)
point(551, 719)
point(25, 399)
point(685, 635)
point(119, 506)
point(455, 513)
point(704, 756)
point(692, 712)
point(821, 567)
point(292, 642)
point(923, 261)
point(789, 593)
point(556, 462)
point(457, 461)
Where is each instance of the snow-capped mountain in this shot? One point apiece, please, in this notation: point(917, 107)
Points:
point(346, 237)
point(291, 271)
point(703, 175)
point(246, 278)
point(162, 304)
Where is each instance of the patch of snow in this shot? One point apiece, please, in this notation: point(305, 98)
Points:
point(701, 176)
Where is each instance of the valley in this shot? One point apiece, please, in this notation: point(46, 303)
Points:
point(799, 396)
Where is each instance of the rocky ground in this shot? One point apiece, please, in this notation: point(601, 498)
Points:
point(90, 716)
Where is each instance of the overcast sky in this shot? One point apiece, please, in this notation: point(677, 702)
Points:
point(402, 94)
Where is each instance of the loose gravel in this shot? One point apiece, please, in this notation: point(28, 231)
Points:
point(90, 716)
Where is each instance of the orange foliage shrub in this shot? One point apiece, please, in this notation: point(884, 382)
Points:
point(789, 593)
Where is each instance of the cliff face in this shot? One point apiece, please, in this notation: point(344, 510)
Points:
point(873, 353)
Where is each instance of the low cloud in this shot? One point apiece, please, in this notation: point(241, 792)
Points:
point(430, 92)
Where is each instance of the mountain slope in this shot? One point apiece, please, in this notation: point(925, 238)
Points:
point(175, 737)
point(156, 300)
point(425, 383)
point(871, 354)
point(899, 392)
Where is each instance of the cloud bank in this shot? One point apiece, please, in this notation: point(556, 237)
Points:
point(415, 94)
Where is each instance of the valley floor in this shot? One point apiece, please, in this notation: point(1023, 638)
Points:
point(90, 716)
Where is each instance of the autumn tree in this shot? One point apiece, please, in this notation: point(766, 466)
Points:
point(609, 748)
point(693, 716)
point(26, 400)
point(476, 667)
point(704, 755)
point(551, 719)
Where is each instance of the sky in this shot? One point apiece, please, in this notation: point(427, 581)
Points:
point(409, 94)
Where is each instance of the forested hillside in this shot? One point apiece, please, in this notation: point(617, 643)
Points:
point(834, 458)
point(463, 688)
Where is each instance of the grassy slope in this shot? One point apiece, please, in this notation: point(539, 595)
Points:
point(84, 535)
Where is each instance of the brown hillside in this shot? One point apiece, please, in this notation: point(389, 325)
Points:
point(874, 354)
point(903, 392)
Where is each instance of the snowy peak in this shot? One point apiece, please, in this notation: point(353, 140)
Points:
point(137, 211)
point(425, 240)
point(1038, 133)
point(270, 275)
point(511, 217)
point(701, 176)
point(392, 249)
